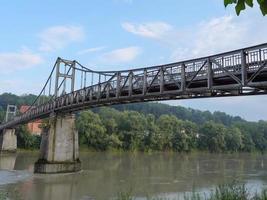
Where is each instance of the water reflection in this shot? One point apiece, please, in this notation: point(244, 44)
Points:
point(7, 173)
point(7, 161)
point(104, 174)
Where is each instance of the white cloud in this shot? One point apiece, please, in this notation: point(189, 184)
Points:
point(91, 50)
point(122, 55)
point(19, 86)
point(11, 61)
point(154, 30)
point(218, 35)
point(15, 86)
point(212, 36)
point(58, 37)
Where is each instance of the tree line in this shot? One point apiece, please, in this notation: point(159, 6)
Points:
point(107, 128)
point(154, 127)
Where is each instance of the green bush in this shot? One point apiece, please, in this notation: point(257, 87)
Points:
point(26, 140)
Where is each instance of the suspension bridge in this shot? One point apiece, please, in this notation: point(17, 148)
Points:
point(72, 86)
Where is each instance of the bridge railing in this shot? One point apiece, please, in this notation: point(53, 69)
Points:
point(71, 83)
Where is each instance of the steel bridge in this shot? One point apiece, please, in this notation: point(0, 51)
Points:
point(72, 87)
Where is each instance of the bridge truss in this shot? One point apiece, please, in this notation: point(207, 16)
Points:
point(72, 87)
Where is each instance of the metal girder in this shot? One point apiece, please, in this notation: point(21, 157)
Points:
point(124, 81)
point(257, 72)
point(161, 80)
point(209, 75)
point(196, 73)
point(176, 82)
point(155, 77)
point(145, 82)
point(130, 88)
point(243, 68)
point(183, 78)
point(220, 78)
point(118, 87)
point(229, 73)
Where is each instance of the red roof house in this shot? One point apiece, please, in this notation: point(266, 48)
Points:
point(33, 127)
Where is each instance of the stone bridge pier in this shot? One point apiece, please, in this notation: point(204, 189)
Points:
point(59, 150)
point(8, 140)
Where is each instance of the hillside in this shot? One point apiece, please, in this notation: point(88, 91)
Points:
point(160, 127)
point(157, 109)
point(193, 115)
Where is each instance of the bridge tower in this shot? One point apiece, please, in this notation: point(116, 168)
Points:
point(59, 150)
point(8, 139)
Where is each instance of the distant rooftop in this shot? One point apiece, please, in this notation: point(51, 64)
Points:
point(23, 108)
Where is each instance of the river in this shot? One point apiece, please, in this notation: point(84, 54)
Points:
point(105, 174)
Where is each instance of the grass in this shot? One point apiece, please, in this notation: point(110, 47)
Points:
point(231, 191)
point(3, 195)
point(124, 196)
point(14, 195)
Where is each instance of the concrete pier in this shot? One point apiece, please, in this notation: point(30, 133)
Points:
point(8, 161)
point(59, 151)
point(8, 141)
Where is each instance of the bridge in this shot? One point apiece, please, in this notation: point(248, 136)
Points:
point(72, 87)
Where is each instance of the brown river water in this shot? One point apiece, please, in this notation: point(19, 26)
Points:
point(156, 174)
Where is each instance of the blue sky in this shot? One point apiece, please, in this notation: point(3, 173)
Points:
point(120, 34)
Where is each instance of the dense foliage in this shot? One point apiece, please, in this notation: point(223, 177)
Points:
point(25, 140)
point(196, 116)
point(108, 128)
point(8, 98)
point(155, 126)
point(241, 5)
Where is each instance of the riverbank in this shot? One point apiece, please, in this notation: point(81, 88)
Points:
point(233, 191)
point(84, 148)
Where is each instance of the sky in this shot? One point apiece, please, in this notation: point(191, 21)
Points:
point(124, 34)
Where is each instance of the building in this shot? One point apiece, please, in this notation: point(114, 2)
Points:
point(33, 127)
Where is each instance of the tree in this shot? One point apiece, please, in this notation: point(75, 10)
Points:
point(247, 129)
point(168, 126)
point(132, 129)
point(110, 119)
point(25, 140)
point(262, 126)
point(190, 129)
point(212, 137)
point(176, 134)
point(255, 132)
point(154, 126)
point(241, 5)
point(152, 138)
point(179, 141)
point(248, 144)
point(233, 139)
point(259, 136)
point(91, 130)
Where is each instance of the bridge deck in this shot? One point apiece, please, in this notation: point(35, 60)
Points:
point(235, 73)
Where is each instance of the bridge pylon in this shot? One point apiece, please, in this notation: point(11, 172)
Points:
point(8, 139)
point(11, 112)
point(59, 151)
point(67, 74)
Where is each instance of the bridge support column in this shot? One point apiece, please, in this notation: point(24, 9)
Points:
point(59, 151)
point(8, 140)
